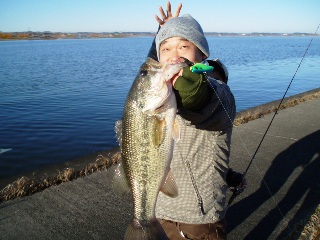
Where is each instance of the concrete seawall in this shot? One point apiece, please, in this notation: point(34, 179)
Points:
point(283, 188)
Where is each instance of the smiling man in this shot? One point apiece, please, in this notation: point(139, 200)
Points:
point(206, 110)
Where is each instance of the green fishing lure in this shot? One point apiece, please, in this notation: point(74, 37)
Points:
point(201, 68)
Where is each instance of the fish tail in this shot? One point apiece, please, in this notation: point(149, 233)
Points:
point(145, 230)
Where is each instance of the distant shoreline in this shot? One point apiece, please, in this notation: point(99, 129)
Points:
point(47, 35)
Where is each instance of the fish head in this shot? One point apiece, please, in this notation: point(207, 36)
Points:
point(156, 84)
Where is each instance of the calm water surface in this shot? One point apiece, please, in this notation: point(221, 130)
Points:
point(59, 99)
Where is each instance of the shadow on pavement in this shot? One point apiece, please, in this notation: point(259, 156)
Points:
point(302, 154)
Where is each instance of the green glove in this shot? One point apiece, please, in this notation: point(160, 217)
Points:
point(191, 90)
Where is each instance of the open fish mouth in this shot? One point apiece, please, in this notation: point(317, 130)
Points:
point(172, 70)
point(160, 90)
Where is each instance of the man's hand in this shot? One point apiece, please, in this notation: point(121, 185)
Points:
point(236, 180)
point(191, 90)
point(168, 16)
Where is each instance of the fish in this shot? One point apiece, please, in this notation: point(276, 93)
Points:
point(146, 133)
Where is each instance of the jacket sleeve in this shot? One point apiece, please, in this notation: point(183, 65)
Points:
point(218, 114)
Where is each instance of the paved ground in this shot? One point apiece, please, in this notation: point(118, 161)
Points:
point(284, 187)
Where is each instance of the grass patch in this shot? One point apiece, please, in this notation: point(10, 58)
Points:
point(260, 111)
point(25, 186)
point(307, 229)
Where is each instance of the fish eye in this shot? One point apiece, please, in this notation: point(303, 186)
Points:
point(143, 72)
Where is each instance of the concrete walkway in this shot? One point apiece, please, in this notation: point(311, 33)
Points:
point(284, 186)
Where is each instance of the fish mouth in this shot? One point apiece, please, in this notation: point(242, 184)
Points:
point(172, 71)
point(166, 73)
point(174, 78)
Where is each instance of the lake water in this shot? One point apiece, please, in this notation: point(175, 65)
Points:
point(59, 99)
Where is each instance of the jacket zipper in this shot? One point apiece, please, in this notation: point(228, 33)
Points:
point(200, 202)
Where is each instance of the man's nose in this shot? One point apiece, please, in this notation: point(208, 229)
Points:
point(175, 58)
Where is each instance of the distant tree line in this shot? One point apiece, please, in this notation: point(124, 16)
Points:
point(83, 35)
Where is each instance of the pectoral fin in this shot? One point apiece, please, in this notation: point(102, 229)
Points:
point(158, 131)
point(170, 187)
point(176, 130)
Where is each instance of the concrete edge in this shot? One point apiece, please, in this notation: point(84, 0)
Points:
point(78, 164)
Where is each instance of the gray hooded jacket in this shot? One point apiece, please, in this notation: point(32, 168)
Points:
point(200, 161)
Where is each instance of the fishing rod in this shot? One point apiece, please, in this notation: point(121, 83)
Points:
point(205, 69)
point(237, 190)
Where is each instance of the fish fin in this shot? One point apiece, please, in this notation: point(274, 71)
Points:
point(170, 187)
point(176, 130)
point(119, 183)
point(158, 131)
point(118, 130)
point(143, 230)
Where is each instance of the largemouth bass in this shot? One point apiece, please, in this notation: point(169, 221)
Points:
point(147, 130)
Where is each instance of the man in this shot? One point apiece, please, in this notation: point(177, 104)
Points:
point(206, 110)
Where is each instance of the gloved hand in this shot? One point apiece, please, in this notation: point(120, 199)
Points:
point(191, 90)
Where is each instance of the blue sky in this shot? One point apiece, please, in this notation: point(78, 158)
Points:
point(242, 16)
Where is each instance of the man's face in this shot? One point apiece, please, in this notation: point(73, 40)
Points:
point(172, 49)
